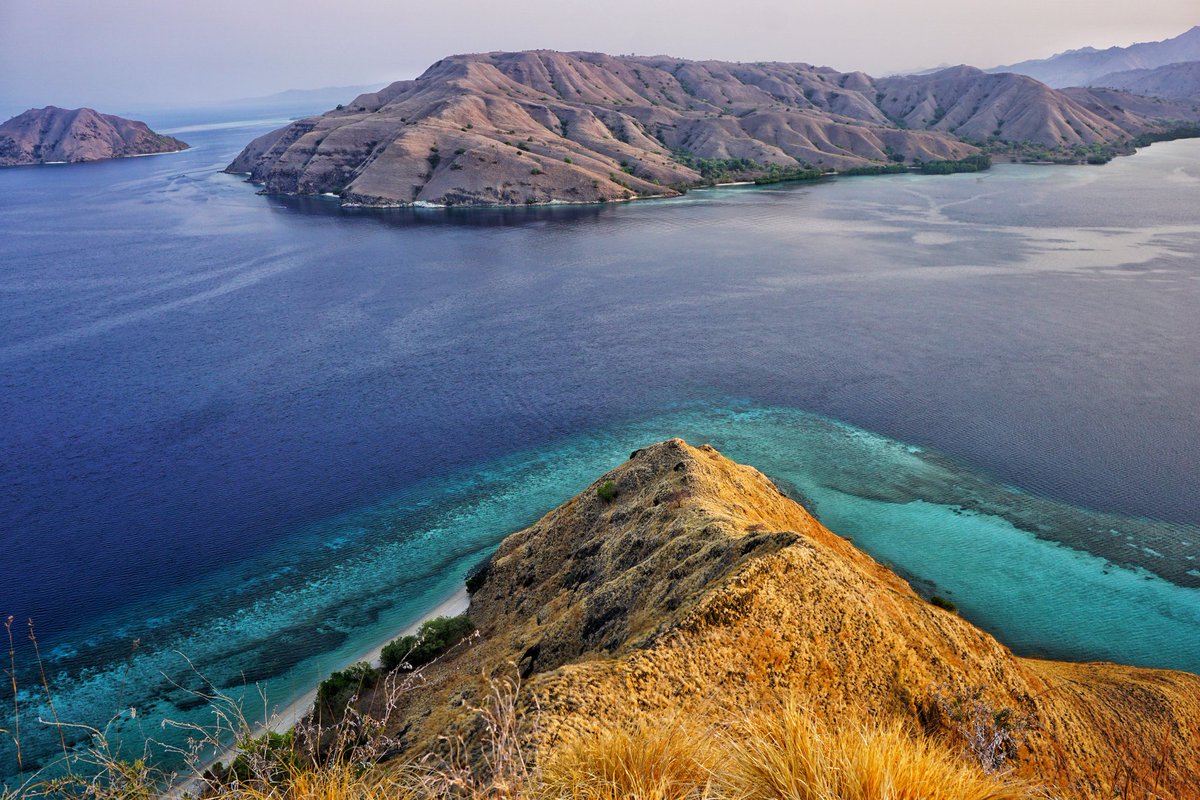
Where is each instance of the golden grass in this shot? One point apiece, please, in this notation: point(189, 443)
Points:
point(776, 753)
point(787, 754)
point(337, 782)
point(773, 753)
point(651, 761)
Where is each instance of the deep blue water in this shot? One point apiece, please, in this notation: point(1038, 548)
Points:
point(265, 433)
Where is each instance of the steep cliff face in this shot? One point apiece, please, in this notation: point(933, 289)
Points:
point(699, 588)
point(545, 126)
point(50, 134)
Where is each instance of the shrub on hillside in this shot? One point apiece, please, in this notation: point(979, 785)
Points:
point(335, 692)
point(434, 638)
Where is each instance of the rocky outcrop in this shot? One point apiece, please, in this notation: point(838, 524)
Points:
point(59, 135)
point(699, 588)
point(544, 126)
point(1084, 66)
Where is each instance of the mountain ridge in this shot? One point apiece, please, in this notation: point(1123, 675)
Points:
point(544, 126)
point(1177, 81)
point(1081, 67)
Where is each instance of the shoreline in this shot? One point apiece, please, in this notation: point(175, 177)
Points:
point(997, 158)
point(96, 160)
point(286, 718)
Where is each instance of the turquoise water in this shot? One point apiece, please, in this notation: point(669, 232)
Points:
point(266, 433)
point(349, 582)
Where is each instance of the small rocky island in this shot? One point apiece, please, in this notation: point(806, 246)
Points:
point(547, 127)
point(53, 135)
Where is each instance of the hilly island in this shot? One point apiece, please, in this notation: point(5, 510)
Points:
point(54, 135)
point(550, 127)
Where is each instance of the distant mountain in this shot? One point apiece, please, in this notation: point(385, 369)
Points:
point(293, 98)
point(1082, 67)
point(1175, 81)
point(544, 126)
point(56, 135)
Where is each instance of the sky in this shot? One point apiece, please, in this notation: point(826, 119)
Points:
point(121, 54)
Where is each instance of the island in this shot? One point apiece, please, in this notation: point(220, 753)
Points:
point(550, 127)
point(53, 135)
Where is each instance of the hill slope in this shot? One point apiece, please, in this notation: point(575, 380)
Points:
point(51, 135)
point(546, 126)
point(1082, 67)
point(700, 590)
point(1176, 81)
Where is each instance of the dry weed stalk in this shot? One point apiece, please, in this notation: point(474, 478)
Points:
point(991, 736)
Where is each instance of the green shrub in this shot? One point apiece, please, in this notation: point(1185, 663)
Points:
point(434, 638)
point(478, 575)
point(607, 491)
point(335, 691)
point(944, 604)
point(875, 169)
point(969, 164)
point(272, 753)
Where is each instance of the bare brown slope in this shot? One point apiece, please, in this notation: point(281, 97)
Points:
point(51, 134)
point(973, 104)
point(1176, 81)
point(545, 126)
point(700, 588)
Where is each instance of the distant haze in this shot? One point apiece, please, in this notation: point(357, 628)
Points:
point(122, 54)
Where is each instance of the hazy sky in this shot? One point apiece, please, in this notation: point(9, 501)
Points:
point(119, 54)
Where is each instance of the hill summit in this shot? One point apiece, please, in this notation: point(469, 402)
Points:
point(684, 586)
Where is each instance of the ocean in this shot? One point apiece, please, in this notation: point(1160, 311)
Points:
point(259, 435)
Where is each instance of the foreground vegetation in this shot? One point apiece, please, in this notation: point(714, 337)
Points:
point(348, 749)
point(779, 750)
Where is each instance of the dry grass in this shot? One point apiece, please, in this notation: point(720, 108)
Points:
point(787, 754)
point(775, 752)
point(335, 782)
point(664, 761)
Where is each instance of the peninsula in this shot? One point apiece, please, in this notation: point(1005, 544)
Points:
point(684, 592)
point(53, 135)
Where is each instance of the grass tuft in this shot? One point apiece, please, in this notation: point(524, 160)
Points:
point(645, 760)
point(788, 753)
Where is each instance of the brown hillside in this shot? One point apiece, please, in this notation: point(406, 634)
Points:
point(701, 588)
point(50, 134)
point(544, 126)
